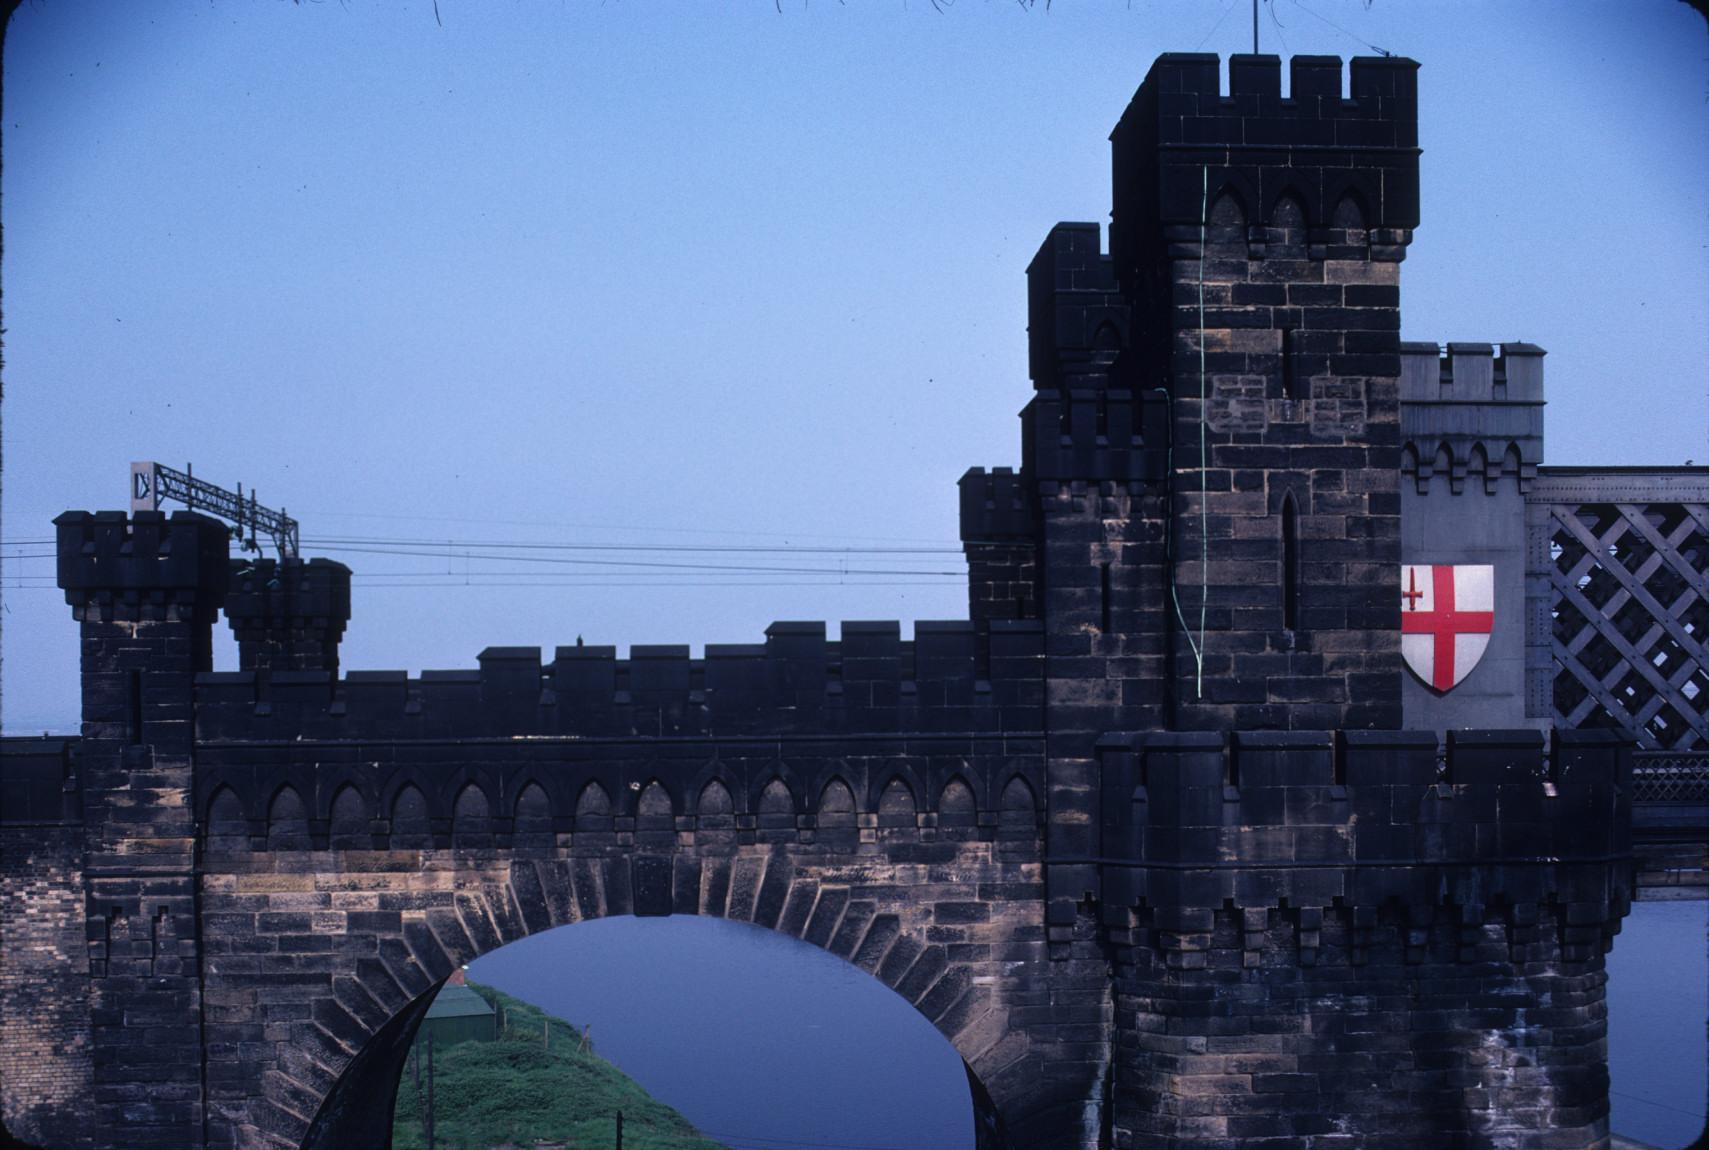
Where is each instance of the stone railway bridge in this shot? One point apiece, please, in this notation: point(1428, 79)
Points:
point(1146, 914)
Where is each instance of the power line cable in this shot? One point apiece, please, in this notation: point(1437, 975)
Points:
point(556, 559)
point(616, 527)
point(1218, 24)
point(1343, 31)
point(339, 540)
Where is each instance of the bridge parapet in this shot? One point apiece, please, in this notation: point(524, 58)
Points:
point(796, 682)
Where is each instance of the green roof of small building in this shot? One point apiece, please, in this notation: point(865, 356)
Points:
point(458, 1002)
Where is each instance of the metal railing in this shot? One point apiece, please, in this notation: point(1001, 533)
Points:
point(1670, 777)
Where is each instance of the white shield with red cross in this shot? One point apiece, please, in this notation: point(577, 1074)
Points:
point(1446, 615)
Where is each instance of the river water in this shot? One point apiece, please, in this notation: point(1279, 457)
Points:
point(1658, 999)
point(767, 1043)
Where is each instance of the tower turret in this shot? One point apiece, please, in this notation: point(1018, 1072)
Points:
point(1258, 240)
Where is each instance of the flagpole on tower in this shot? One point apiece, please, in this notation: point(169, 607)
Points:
point(1254, 27)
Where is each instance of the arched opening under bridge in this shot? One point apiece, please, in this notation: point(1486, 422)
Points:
point(757, 1038)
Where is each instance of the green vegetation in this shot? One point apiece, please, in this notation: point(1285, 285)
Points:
point(517, 1089)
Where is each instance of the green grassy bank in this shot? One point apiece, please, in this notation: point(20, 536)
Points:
point(516, 1090)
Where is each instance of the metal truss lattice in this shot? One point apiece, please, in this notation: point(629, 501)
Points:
point(1629, 586)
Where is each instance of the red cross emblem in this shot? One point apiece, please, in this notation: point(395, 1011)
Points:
point(1446, 616)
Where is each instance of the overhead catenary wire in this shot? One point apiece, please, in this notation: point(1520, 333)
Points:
point(489, 521)
point(442, 553)
point(525, 545)
point(1343, 31)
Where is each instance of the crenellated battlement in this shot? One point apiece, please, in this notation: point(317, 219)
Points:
point(1468, 411)
point(1077, 320)
point(1365, 818)
point(796, 682)
point(288, 614)
point(116, 561)
point(997, 506)
point(1348, 163)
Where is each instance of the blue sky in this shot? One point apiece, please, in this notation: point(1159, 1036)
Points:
point(714, 275)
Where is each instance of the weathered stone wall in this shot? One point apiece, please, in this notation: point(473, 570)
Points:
point(288, 614)
point(1258, 239)
point(312, 952)
point(1335, 944)
point(145, 590)
point(45, 1053)
point(1437, 1026)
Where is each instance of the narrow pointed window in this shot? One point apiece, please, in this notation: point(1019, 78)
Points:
point(1104, 597)
point(1290, 380)
point(1290, 565)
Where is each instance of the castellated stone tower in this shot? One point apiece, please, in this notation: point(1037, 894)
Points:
point(1217, 425)
point(1207, 515)
point(1259, 242)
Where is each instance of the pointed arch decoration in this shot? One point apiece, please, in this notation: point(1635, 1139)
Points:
point(287, 821)
point(227, 829)
point(593, 808)
point(471, 817)
point(532, 826)
point(410, 827)
point(896, 805)
point(348, 819)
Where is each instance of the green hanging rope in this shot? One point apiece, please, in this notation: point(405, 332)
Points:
point(1198, 648)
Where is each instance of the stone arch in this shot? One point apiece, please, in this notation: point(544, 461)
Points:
point(1350, 211)
point(471, 817)
point(1287, 235)
point(1017, 811)
point(897, 808)
point(764, 775)
point(1107, 337)
point(1477, 460)
point(593, 808)
point(1225, 220)
point(957, 808)
point(879, 778)
point(1443, 465)
point(532, 825)
point(1409, 463)
point(1512, 463)
point(287, 820)
point(837, 801)
point(655, 814)
point(714, 815)
point(1228, 207)
point(376, 1015)
point(776, 808)
point(227, 826)
point(837, 820)
point(410, 824)
point(715, 801)
point(348, 819)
